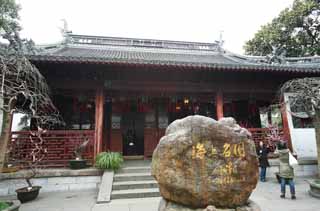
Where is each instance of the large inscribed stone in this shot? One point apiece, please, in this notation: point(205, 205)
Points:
point(201, 162)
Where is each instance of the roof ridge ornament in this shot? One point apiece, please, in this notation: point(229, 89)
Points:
point(66, 32)
point(78, 39)
point(220, 43)
point(277, 56)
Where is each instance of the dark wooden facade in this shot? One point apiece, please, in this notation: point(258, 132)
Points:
point(114, 82)
point(126, 91)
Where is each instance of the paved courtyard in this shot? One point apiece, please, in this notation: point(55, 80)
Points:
point(266, 195)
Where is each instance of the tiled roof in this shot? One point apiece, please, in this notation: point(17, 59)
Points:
point(108, 50)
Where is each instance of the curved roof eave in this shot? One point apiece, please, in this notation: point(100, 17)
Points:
point(231, 67)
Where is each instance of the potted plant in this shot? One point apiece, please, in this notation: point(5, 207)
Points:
point(314, 188)
point(109, 160)
point(13, 205)
point(31, 161)
point(79, 162)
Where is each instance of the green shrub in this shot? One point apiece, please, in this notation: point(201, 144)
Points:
point(3, 205)
point(109, 160)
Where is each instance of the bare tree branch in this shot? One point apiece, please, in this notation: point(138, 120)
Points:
point(25, 90)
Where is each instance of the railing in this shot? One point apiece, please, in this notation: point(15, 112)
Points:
point(60, 146)
point(261, 134)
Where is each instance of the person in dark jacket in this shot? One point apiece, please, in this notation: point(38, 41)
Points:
point(286, 171)
point(262, 152)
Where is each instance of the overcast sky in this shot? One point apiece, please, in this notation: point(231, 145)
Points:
point(196, 20)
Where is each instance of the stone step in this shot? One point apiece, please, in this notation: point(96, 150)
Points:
point(135, 193)
point(126, 185)
point(134, 169)
point(132, 177)
point(105, 188)
point(137, 163)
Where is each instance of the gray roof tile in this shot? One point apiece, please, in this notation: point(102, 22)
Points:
point(108, 50)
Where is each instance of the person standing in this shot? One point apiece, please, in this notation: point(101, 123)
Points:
point(262, 152)
point(286, 171)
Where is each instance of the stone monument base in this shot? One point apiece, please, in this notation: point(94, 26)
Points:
point(171, 206)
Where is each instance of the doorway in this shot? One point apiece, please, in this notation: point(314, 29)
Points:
point(132, 125)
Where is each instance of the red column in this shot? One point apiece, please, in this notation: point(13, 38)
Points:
point(219, 104)
point(98, 122)
point(286, 131)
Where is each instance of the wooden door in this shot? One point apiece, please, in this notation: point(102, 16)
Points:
point(150, 141)
point(116, 140)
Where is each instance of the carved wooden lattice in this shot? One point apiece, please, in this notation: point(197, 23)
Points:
point(60, 146)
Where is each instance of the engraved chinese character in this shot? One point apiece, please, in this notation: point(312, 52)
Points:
point(214, 151)
point(238, 150)
point(227, 180)
point(198, 151)
point(229, 168)
point(226, 150)
point(241, 150)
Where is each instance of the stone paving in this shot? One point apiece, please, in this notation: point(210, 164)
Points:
point(266, 195)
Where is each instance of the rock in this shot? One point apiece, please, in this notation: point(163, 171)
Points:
point(201, 162)
point(171, 206)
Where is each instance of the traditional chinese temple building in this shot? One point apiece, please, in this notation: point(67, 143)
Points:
point(122, 93)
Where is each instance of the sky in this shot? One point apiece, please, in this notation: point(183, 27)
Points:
point(184, 20)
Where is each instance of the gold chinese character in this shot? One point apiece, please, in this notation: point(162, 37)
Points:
point(226, 150)
point(241, 150)
point(214, 151)
point(235, 150)
point(229, 168)
point(226, 170)
point(198, 151)
point(227, 180)
point(238, 150)
point(223, 171)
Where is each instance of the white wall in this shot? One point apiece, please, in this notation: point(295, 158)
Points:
point(16, 120)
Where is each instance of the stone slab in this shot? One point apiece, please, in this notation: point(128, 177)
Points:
point(51, 184)
point(53, 172)
point(104, 195)
point(299, 170)
point(266, 195)
point(106, 207)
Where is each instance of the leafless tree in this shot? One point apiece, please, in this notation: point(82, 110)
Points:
point(37, 154)
point(80, 149)
point(24, 90)
point(306, 97)
point(22, 87)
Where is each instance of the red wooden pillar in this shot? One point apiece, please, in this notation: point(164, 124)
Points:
point(219, 104)
point(98, 131)
point(285, 123)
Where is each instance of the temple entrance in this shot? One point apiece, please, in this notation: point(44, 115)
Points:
point(132, 125)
